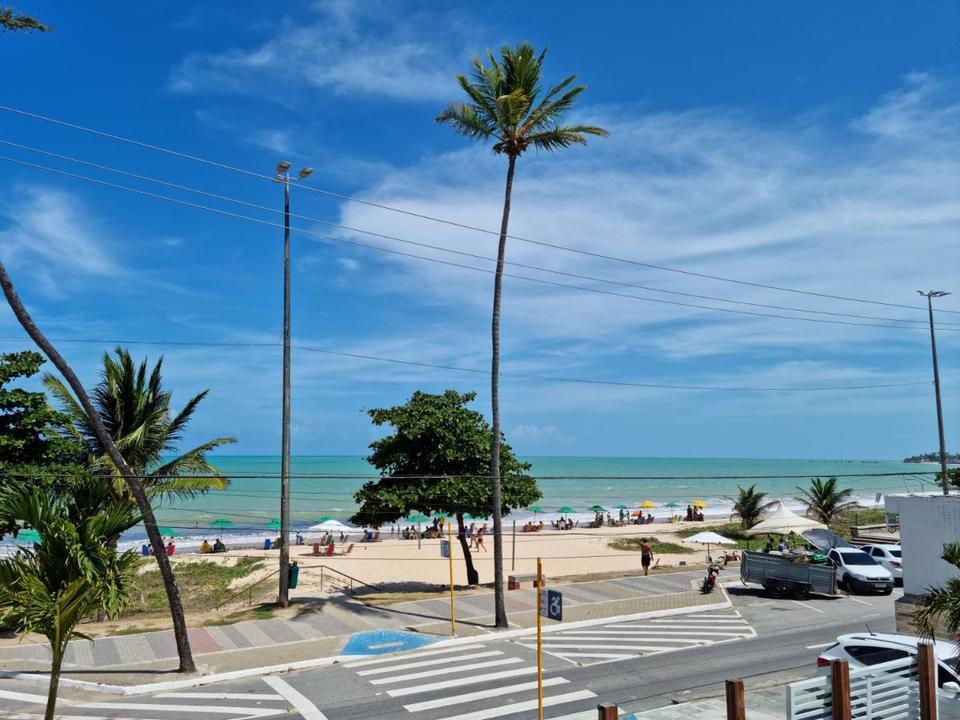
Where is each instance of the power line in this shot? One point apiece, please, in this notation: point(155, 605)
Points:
point(449, 263)
point(452, 223)
point(478, 371)
point(441, 248)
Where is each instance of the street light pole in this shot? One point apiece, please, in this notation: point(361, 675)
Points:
point(944, 479)
point(283, 599)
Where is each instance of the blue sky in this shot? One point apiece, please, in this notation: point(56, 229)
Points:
point(812, 146)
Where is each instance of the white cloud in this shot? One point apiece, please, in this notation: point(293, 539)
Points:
point(348, 264)
point(372, 48)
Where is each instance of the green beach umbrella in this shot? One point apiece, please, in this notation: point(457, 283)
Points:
point(222, 523)
point(566, 510)
point(621, 506)
point(671, 504)
point(595, 508)
point(325, 518)
point(273, 524)
point(416, 519)
point(535, 509)
point(28, 536)
point(169, 531)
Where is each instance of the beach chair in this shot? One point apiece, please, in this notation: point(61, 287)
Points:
point(345, 552)
point(376, 536)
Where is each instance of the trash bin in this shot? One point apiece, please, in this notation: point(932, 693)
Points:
point(266, 544)
point(294, 576)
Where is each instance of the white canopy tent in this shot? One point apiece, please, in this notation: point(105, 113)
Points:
point(784, 521)
point(331, 526)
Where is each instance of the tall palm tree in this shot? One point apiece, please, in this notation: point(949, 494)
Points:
point(749, 506)
point(941, 603)
point(505, 103)
point(135, 409)
point(72, 571)
point(824, 500)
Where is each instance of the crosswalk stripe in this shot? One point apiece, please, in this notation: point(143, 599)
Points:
point(22, 697)
point(428, 662)
point(459, 682)
point(221, 696)
point(524, 706)
point(248, 712)
point(301, 702)
point(58, 716)
point(611, 647)
point(596, 655)
point(458, 669)
point(481, 695)
point(405, 656)
point(589, 642)
point(641, 633)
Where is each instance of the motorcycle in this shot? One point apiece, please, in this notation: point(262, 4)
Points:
point(710, 581)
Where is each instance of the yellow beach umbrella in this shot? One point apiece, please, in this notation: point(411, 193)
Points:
point(648, 504)
point(699, 503)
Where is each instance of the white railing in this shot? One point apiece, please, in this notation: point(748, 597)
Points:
point(888, 691)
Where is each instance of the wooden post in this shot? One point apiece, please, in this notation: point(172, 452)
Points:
point(607, 711)
point(736, 708)
point(840, 689)
point(927, 670)
point(539, 641)
point(513, 555)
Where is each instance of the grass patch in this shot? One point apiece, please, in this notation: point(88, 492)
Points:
point(632, 544)
point(134, 630)
point(203, 586)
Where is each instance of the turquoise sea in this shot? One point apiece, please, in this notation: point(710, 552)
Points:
point(323, 486)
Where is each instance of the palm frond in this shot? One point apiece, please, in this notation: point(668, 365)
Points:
point(562, 137)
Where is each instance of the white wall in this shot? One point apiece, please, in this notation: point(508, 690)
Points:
point(927, 522)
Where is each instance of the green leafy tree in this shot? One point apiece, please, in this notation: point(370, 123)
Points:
point(135, 409)
point(436, 461)
point(824, 500)
point(32, 451)
point(942, 603)
point(749, 506)
point(11, 20)
point(72, 571)
point(953, 475)
point(506, 104)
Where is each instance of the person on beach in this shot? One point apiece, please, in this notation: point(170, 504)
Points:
point(689, 513)
point(299, 538)
point(646, 555)
point(170, 548)
point(769, 546)
point(205, 547)
point(479, 538)
point(218, 546)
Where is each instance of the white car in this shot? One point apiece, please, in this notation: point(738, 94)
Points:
point(866, 649)
point(858, 572)
point(889, 557)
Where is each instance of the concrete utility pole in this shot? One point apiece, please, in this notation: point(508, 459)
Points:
point(944, 479)
point(283, 176)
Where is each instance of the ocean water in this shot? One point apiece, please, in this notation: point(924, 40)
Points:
point(324, 485)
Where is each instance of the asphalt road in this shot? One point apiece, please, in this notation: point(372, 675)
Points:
point(490, 678)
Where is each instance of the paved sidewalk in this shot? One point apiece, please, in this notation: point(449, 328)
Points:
point(767, 704)
point(331, 626)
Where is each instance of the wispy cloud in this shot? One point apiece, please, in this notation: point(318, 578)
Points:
point(373, 48)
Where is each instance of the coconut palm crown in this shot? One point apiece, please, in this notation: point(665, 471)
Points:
point(749, 506)
point(825, 500)
point(135, 409)
point(506, 103)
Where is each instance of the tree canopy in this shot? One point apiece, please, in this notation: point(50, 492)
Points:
point(31, 448)
point(13, 21)
point(437, 461)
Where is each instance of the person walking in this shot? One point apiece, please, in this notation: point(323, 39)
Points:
point(646, 555)
point(480, 535)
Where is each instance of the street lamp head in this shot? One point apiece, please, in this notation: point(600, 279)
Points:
point(283, 166)
point(934, 293)
point(305, 173)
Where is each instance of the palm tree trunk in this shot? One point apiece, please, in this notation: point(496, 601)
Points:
point(500, 610)
point(473, 577)
point(57, 663)
point(136, 487)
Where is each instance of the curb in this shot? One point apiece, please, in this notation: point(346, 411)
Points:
point(147, 688)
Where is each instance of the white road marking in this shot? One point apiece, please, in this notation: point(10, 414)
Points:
point(821, 645)
point(524, 706)
point(23, 697)
point(684, 626)
point(428, 662)
point(618, 642)
point(592, 646)
point(221, 696)
point(641, 633)
point(857, 600)
point(807, 606)
point(398, 643)
point(432, 673)
point(58, 716)
point(212, 709)
point(481, 695)
point(411, 655)
point(471, 680)
point(295, 698)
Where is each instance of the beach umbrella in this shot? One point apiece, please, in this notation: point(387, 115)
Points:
point(535, 509)
point(324, 519)
point(709, 538)
point(330, 525)
point(416, 518)
point(699, 504)
point(273, 524)
point(784, 521)
point(648, 504)
point(595, 508)
point(28, 536)
point(621, 506)
point(565, 510)
point(222, 523)
point(671, 504)
point(169, 531)
point(637, 513)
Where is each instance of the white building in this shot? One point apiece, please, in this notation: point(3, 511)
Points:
point(927, 523)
